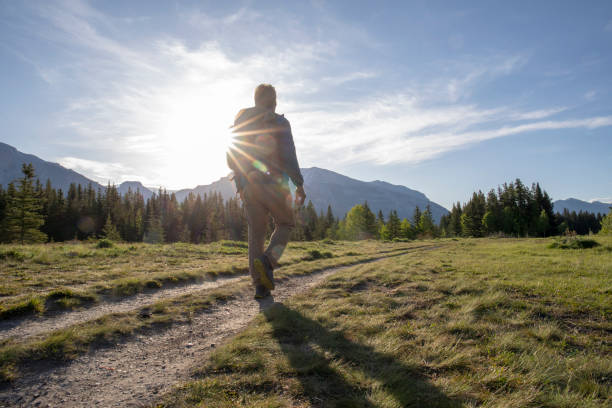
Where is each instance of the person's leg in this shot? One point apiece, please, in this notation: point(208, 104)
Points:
point(278, 242)
point(280, 207)
point(257, 217)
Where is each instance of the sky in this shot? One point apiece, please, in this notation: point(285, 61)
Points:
point(443, 97)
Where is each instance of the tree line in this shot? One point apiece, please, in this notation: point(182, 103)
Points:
point(515, 210)
point(31, 212)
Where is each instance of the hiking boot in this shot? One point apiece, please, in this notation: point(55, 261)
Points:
point(261, 292)
point(265, 271)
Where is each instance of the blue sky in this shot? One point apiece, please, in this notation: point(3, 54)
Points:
point(443, 97)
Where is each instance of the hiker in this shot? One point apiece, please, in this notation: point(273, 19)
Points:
point(263, 160)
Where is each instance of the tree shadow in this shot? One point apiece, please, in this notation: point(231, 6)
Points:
point(314, 350)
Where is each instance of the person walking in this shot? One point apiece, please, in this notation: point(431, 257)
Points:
point(263, 160)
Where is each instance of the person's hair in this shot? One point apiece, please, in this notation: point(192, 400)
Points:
point(265, 96)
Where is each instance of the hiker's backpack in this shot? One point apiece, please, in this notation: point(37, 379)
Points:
point(254, 154)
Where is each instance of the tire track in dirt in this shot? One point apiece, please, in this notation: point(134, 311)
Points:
point(36, 325)
point(136, 372)
point(24, 328)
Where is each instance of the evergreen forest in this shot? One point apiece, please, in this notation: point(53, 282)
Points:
point(33, 212)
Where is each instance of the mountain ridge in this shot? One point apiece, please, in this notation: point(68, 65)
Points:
point(575, 204)
point(323, 187)
point(12, 159)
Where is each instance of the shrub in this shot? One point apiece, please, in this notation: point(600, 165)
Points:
point(316, 254)
point(573, 242)
point(12, 254)
point(105, 243)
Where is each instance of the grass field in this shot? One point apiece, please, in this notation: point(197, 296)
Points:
point(36, 279)
point(466, 322)
point(477, 322)
point(46, 289)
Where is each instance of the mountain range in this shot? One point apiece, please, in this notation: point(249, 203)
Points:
point(573, 204)
point(323, 187)
point(12, 159)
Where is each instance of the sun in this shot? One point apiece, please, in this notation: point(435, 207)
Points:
point(195, 129)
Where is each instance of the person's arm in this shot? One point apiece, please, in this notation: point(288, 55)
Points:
point(289, 157)
point(290, 163)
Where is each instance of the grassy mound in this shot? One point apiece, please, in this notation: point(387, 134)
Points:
point(574, 243)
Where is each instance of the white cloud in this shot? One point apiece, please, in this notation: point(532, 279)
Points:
point(353, 76)
point(400, 130)
point(607, 200)
point(101, 172)
point(608, 26)
point(538, 114)
point(590, 95)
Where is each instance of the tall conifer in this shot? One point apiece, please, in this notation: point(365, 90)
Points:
point(24, 217)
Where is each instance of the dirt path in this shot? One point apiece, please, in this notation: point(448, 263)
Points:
point(31, 326)
point(135, 373)
point(35, 325)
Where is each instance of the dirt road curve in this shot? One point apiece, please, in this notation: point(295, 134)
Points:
point(134, 373)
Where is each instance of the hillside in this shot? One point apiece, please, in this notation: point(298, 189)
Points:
point(12, 159)
point(573, 204)
point(325, 187)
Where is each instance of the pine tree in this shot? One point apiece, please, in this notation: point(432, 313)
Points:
point(24, 207)
point(309, 219)
point(455, 220)
point(370, 221)
point(472, 216)
point(426, 224)
point(394, 225)
point(331, 225)
point(416, 218)
point(110, 231)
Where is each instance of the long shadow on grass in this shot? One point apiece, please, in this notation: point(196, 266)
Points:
point(314, 350)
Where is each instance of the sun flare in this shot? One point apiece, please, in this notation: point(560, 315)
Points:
point(195, 133)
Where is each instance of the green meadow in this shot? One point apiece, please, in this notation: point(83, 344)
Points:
point(40, 278)
point(475, 322)
point(442, 323)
